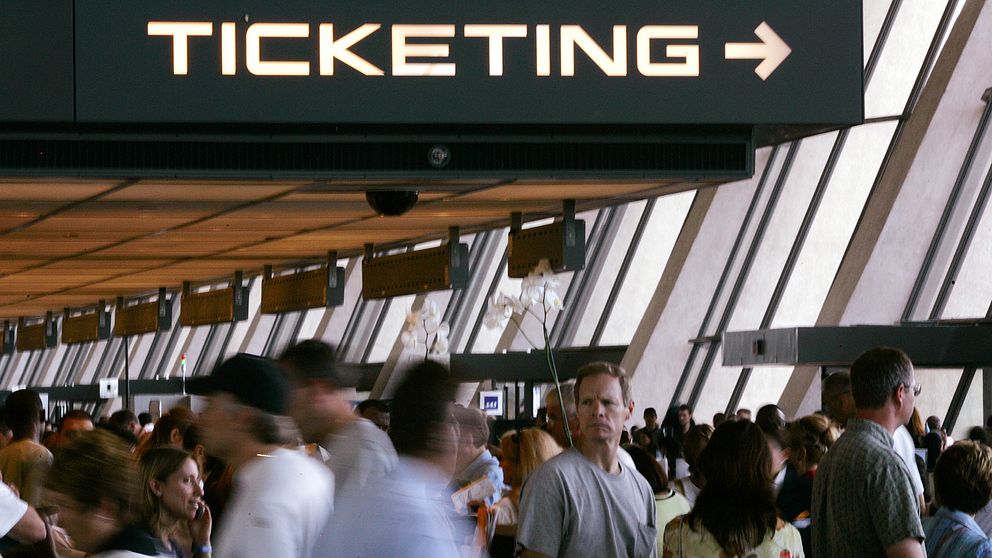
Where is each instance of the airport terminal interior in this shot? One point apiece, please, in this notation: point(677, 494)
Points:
point(883, 223)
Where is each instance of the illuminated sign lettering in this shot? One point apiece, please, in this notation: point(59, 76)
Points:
point(432, 42)
point(454, 64)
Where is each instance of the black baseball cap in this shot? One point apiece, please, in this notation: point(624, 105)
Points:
point(253, 380)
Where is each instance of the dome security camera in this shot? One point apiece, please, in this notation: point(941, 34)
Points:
point(392, 202)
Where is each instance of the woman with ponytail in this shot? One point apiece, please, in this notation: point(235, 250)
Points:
point(735, 512)
point(808, 440)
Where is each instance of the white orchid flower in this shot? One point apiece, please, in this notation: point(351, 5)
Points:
point(409, 340)
point(440, 346)
point(429, 310)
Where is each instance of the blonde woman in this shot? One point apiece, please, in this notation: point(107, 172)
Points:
point(809, 438)
point(523, 452)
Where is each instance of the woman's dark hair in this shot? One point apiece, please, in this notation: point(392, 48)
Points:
point(737, 504)
point(649, 468)
point(980, 435)
point(179, 419)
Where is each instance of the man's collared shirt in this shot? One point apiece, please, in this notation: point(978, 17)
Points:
point(485, 465)
point(863, 499)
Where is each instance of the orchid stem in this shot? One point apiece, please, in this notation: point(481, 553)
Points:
point(553, 367)
point(522, 332)
point(427, 345)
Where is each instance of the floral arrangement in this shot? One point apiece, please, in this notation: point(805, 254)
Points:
point(425, 327)
point(539, 295)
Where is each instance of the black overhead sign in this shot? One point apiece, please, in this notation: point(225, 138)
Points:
point(457, 62)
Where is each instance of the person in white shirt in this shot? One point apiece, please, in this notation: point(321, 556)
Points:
point(18, 520)
point(407, 512)
point(357, 451)
point(281, 498)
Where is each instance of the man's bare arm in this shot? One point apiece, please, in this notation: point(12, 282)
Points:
point(906, 548)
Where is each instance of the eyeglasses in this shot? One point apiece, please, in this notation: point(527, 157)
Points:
point(917, 388)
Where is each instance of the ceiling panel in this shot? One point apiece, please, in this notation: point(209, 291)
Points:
point(46, 190)
point(417, 224)
point(49, 249)
point(162, 246)
point(9, 263)
point(201, 192)
point(351, 197)
point(272, 227)
point(137, 224)
point(83, 240)
point(171, 209)
point(538, 191)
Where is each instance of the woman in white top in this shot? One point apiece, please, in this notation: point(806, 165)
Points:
point(693, 445)
point(668, 504)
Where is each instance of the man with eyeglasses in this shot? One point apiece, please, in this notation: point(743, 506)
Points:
point(838, 402)
point(864, 503)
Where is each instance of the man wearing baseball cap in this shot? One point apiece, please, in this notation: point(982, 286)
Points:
point(281, 498)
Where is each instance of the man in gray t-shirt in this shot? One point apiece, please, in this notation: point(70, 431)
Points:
point(584, 502)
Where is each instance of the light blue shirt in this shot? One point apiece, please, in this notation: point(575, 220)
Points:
point(483, 466)
point(401, 514)
point(954, 534)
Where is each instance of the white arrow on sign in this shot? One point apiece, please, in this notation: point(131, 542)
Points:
point(772, 50)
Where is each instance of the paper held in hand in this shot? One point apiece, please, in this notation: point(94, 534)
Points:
point(478, 490)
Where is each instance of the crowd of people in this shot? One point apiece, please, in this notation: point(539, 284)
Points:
point(280, 463)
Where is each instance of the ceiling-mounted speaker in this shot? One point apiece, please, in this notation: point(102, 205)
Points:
point(144, 317)
point(317, 288)
point(38, 336)
point(433, 269)
point(87, 326)
point(214, 307)
point(562, 243)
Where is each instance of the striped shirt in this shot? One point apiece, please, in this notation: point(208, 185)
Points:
point(954, 534)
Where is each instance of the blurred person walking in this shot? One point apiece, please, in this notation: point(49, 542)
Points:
point(357, 451)
point(94, 486)
point(406, 512)
point(281, 498)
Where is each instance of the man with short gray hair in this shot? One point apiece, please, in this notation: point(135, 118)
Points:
point(863, 500)
point(585, 501)
point(560, 411)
